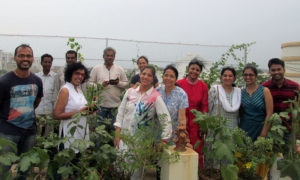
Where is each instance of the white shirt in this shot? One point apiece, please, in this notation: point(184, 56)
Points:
point(76, 101)
point(137, 108)
point(110, 96)
point(46, 104)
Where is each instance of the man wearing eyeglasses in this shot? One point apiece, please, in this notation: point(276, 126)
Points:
point(20, 93)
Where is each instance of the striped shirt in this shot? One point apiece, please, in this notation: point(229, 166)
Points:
point(284, 93)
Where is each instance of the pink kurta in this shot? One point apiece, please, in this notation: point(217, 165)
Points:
point(198, 99)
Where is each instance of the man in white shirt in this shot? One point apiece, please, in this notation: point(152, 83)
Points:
point(114, 80)
point(46, 105)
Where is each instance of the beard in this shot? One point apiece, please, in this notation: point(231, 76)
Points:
point(24, 67)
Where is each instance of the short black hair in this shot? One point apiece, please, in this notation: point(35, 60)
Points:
point(173, 68)
point(250, 66)
point(74, 67)
point(231, 69)
point(197, 62)
point(23, 46)
point(153, 71)
point(46, 55)
point(276, 61)
point(142, 57)
point(71, 52)
point(228, 68)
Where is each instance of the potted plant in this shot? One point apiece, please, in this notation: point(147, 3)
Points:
point(219, 148)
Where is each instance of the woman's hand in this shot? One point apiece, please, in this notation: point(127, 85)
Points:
point(136, 85)
point(189, 145)
point(85, 111)
point(117, 137)
point(116, 142)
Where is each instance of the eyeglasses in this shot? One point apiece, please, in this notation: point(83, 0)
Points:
point(79, 74)
point(250, 75)
point(23, 55)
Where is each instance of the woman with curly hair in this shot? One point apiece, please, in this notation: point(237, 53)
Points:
point(71, 101)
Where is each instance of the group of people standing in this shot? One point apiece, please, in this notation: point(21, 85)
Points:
point(63, 94)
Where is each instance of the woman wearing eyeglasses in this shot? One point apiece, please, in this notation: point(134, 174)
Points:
point(257, 105)
point(70, 102)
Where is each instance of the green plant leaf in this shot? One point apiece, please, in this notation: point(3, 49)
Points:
point(93, 175)
point(229, 172)
point(197, 144)
point(72, 130)
point(8, 143)
point(28, 158)
point(44, 158)
point(8, 158)
point(289, 168)
point(71, 39)
point(65, 171)
point(223, 151)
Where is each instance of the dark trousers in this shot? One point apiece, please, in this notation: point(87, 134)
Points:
point(107, 117)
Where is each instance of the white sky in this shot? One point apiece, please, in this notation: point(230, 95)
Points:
point(268, 22)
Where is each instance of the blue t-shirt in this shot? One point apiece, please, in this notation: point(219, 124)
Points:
point(17, 97)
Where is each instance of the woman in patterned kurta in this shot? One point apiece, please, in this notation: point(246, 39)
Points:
point(257, 105)
point(139, 107)
point(197, 95)
point(175, 99)
point(229, 96)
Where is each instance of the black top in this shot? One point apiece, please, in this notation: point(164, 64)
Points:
point(17, 97)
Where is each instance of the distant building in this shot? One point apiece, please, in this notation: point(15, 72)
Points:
point(7, 62)
point(182, 64)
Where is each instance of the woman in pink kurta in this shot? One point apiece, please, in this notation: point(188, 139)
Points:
point(198, 99)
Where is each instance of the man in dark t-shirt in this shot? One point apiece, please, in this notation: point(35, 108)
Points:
point(20, 93)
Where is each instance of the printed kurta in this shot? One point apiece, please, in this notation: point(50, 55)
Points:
point(232, 117)
point(138, 110)
point(175, 101)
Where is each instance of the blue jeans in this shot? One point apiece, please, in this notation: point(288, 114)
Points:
point(23, 143)
point(107, 117)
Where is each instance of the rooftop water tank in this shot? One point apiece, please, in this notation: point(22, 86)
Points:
point(291, 56)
